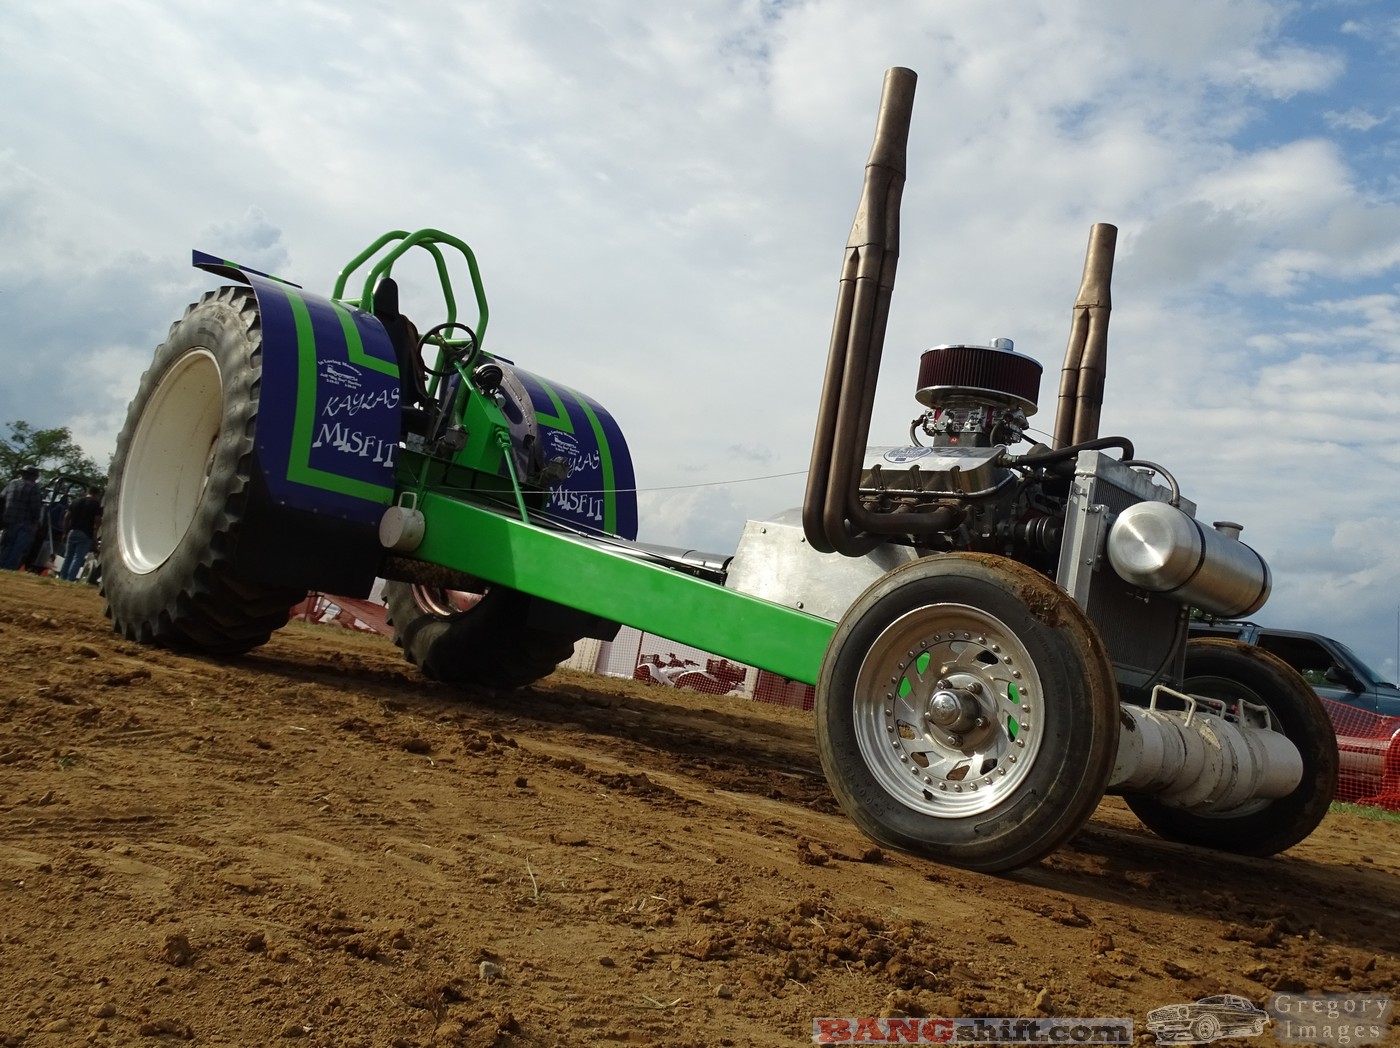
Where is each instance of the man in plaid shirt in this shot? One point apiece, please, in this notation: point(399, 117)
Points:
point(23, 508)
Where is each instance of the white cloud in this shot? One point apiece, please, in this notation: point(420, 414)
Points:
point(1354, 119)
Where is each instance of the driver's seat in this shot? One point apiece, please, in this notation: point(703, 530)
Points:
point(416, 408)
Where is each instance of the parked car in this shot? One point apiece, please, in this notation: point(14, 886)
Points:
point(1333, 669)
point(1208, 1019)
point(1363, 707)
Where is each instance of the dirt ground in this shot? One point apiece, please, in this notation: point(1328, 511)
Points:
point(312, 844)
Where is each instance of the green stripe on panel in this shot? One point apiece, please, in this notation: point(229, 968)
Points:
point(355, 346)
point(605, 460)
point(299, 468)
point(560, 419)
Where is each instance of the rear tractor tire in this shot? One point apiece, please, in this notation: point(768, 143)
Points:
point(177, 492)
point(469, 638)
point(967, 712)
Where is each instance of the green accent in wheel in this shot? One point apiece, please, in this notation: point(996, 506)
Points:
point(1013, 694)
point(933, 772)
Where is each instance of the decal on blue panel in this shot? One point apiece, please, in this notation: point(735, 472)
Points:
point(599, 493)
point(328, 419)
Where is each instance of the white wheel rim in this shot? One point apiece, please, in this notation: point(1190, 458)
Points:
point(167, 465)
point(972, 654)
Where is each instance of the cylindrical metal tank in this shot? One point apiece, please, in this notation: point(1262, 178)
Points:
point(1159, 548)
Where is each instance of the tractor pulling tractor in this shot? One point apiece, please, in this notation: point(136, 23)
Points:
point(997, 639)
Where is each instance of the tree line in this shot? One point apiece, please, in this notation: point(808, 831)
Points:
point(52, 450)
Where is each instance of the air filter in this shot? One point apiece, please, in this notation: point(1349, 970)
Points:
point(960, 376)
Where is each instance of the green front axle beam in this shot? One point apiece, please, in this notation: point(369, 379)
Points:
point(489, 544)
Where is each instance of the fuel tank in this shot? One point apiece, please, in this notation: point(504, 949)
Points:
point(1159, 548)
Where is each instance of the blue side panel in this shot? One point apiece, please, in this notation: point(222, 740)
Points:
point(599, 493)
point(330, 376)
point(328, 418)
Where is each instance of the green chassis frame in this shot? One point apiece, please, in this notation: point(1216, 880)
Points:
point(493, 544)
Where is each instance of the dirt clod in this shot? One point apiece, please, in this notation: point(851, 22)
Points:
point(177, 950)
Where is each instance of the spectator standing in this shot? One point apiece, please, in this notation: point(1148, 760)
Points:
point(82, 521)
point(24, 507)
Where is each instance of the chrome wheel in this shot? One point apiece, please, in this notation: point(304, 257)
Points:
point(966, 711)
point(945, 710)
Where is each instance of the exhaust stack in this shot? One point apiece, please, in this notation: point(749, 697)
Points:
point(831, 516)
point(1082, 377)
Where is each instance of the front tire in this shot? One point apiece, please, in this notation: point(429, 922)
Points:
point(468, 638)
point(1206, 1028)
point(178, 488)
point(966, 711)
point(1221, 668)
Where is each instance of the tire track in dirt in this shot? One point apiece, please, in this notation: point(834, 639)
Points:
point(310, 843)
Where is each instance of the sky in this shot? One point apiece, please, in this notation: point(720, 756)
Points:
point(659, 196)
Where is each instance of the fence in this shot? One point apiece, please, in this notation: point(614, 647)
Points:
point(1369, 747)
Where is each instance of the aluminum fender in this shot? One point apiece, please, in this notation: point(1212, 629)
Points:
point(599, 491)
point(328, 427)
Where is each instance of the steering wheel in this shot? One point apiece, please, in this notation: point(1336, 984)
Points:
point(465, 353)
